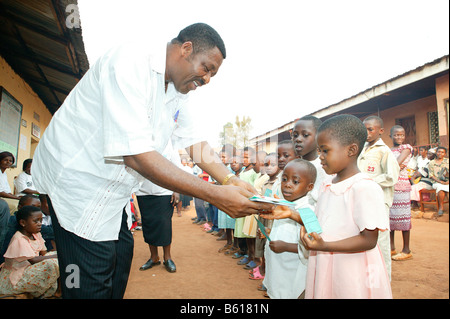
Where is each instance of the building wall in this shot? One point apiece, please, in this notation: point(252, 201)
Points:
point(442, 100)
point(31, 103)
point(419, 109)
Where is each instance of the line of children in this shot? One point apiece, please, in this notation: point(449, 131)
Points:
point(344, 260)
point(343, 170)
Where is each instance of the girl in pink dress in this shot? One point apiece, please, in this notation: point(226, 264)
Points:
point(400, 212)
point(345, 260)
point(28, 268)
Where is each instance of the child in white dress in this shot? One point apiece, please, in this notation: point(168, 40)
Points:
point(286, 265)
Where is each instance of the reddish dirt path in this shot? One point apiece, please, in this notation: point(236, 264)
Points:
point(203, 273)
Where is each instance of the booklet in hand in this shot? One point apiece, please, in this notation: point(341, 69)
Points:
point(309, 220)
point(271, 200)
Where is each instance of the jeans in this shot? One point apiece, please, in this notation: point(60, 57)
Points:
point(213, 216)
point(200, 209)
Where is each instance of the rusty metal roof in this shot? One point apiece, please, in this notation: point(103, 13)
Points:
point(40, 46)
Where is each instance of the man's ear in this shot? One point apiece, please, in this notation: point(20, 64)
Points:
point(310, 187)
point(187, 49)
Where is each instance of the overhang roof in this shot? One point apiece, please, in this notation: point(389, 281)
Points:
point(36, 42)
point(410, 86)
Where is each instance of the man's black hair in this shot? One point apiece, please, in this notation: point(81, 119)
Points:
point(203, 38)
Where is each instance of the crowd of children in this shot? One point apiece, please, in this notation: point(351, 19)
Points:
point(360, 191)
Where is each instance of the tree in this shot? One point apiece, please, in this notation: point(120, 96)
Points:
point(237, 134)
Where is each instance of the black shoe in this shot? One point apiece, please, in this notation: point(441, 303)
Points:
point(149, 264)
point(170, 265)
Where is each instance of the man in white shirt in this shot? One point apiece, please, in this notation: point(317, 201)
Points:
point(107, 137)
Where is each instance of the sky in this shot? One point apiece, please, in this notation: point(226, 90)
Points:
point(285, 59)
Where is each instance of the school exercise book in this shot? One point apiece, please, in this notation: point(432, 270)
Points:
point(271, 200)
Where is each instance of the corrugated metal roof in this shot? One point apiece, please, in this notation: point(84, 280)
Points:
point(41, 48)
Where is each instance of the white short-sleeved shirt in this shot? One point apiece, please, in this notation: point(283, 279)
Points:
point(4, 185)
point(118, 108)
point(23, 181)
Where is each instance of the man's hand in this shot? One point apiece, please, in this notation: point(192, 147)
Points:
point(234, 200)
point(239, 182)
point(175, 199)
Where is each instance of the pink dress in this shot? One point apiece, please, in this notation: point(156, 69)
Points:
point(344, 210)
point(19, 276)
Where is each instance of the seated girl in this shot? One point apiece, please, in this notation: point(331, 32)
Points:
point(28, 268)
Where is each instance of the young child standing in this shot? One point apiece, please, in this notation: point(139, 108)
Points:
point(285, 265)
point(400, 212)
point(344, 260)
point(378, 162)
point(305, 145)
point(225, 222)
point(236, 166)
point(249, 175)
point(272, 170)
point(285, 153)
point(28, 268)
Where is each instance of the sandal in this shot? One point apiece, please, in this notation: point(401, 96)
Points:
point(232, 251)
point(262, 288)
point(251, 265)
point(243, 261)
point(251, 271)
point(256, 275)
point(393, 252)
point(226, 247)
point(402, 256)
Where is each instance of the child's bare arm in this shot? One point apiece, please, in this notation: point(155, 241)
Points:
point(279, 246)
point(43, 255)
point(282, 212)
point(366, 240)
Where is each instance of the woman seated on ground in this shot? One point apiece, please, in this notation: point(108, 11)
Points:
point(6, 161)
point(439, 174)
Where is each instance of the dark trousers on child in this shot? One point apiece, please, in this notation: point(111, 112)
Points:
point(93, 270)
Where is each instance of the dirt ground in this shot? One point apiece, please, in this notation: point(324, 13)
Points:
point(204, 273)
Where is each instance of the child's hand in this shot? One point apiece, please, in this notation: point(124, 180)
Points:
point(260, 234)
point(279, 212)
point(277, 246)
point(312, 241)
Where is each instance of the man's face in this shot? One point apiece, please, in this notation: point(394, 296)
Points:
point(194, 70)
